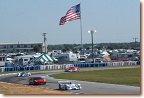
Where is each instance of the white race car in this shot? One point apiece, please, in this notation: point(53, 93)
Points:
point(68, 85)
point(22, 74)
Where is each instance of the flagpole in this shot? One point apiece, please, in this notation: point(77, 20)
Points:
point(81, 31)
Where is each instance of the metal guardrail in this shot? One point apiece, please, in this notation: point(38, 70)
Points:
point(41, 67)
point(91, 65)
point(122, 63)
point(107, 64)
point(44, 67)
point(21, 68)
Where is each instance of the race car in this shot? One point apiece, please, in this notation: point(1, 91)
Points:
point(68, 85)
point(72, 69)
point(22, 74)
point(37, 80)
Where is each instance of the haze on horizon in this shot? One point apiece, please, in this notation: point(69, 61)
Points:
point(26, 20)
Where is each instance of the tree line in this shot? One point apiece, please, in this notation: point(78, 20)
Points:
point(111, 46)
point(75, 47)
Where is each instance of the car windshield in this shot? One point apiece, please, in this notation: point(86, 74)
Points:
point(66, 83)
point(38, 78)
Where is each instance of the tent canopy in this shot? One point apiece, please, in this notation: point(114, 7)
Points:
point(44, 58)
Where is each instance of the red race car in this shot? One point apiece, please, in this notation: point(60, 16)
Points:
point(72, 69)
point(37, 80)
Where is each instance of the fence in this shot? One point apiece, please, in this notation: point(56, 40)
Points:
point(21, 68)
point(41, 67)
point(107, 64)
point(91, 65)
point(45, 67)
point(122, 63)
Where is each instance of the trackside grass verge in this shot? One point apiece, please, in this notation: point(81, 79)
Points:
point(130, 76)
point(12, 89)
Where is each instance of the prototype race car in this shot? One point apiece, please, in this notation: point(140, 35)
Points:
point(37, 80)
point(22, 74)
point(68, 85)
point(72, 69)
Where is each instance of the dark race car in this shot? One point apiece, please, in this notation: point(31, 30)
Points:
point(72, 69)
point(37, 80)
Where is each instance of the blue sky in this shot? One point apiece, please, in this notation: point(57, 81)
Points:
point(26, 20)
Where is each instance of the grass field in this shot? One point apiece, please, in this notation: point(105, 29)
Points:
point(129, 76)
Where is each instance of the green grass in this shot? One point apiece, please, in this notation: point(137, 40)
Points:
point(129, 76)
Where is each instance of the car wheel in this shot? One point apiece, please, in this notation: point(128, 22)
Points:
point(74, 70)
point(65, 87)
point(59, 86)
point(30, 83)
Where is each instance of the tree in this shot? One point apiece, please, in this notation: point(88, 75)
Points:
point(74, 50)
point(99, 48)
point(87, 48)
point(36, 49)
point(63, 50)
point(13, 50)
point(67, 49)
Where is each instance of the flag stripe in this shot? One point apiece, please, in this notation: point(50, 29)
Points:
point(72, 14)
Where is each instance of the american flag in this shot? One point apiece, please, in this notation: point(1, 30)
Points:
point(72, 14)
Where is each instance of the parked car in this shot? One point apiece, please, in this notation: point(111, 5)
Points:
point(22, 74)
point(37, 80)
point(72, 69)
point(68, 85)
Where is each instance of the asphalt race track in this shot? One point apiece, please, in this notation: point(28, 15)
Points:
point(87, 87)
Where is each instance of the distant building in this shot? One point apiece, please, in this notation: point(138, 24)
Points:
point(125, 55)
point(55, 52)
point(23, 60)
point(64, 58)
point(21, 47)
point(2, 60)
